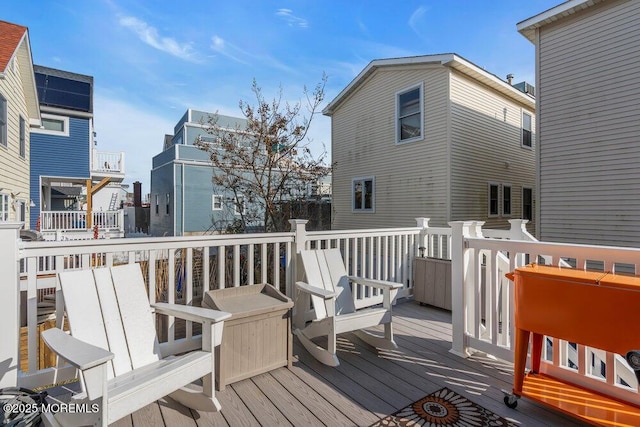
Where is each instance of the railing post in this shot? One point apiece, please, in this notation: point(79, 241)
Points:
point(423, 237)
point(460, 272)
point(517, 232)
point(298, 227)
point(10, 297)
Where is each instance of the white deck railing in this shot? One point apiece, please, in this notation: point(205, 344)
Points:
point(180, 269)
point(483, 310)
point(107, 162)
point(77, 220)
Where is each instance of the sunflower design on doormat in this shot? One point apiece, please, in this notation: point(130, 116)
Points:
point(443, 408)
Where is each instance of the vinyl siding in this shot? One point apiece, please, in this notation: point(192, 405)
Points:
point(486, 147)
point(59, 156)
point(14, 169)
point(162, 178)
point(589, 94)
point(410, 179)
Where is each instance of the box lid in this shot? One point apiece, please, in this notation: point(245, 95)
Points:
point(244, 301)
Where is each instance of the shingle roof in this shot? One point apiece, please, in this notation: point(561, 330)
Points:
point(10, 37)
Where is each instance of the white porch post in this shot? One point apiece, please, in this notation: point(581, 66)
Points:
point(298, 226)
point(460, 263)
point(424, 235)
point(10, 297)
point(517, 232)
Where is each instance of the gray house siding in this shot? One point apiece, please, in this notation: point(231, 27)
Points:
point(410, 178)
point(486, 136)
point(161, 224)
point(589, 97)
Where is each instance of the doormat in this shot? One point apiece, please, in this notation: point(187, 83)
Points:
point(443, 408)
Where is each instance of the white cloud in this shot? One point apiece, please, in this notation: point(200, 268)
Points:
point(219, 45)
point(138, 133)
point(416, 19)
point(150, 36)
point(291, 19)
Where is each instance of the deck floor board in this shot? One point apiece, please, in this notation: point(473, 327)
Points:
point(367, 386)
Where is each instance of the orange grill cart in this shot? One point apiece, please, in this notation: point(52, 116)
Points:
point(596, 309)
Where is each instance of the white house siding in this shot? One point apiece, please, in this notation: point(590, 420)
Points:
point(486, 147)
point(410, 179)
point(589, 112)
point(14, 169)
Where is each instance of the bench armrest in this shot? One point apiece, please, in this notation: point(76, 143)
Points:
point(188, 312)
point(78, 353)
point(315, 291)
point(381, 284)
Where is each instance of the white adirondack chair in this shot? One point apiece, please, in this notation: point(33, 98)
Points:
point(328, 288)
point(113, 344)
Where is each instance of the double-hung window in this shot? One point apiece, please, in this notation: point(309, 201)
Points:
point(168, 201)
point(216, 202)
point(3, 121)
point(409, 114)
point(363, 194)
point(157, 204)
point(239, 205)
point(506, 200)
point(527, 203)
point(526, 130)
point(493, 199)
point(4, 207)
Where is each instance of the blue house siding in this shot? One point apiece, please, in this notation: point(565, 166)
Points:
point(59, 156)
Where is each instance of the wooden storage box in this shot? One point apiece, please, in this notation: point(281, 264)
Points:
point(432, 282)
point(257, 337)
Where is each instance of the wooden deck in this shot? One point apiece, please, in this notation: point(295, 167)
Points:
point(367, 386)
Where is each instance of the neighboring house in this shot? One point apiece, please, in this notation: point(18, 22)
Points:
point(183, 200)
point(431, 136)
point(18, 113)
point(64, 157)
point(588, 112)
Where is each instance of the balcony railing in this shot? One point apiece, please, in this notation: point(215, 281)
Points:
point(108, 162)
point(180, 269)
point(77, 220)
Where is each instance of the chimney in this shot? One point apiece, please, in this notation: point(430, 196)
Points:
point(510, 78)
point(137, 194)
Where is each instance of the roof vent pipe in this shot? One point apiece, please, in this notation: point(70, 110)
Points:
point(510, 78)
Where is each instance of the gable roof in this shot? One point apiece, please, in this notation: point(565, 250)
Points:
point(448, 60)
point(14, 43)
point(11, 36)
point(529, 26)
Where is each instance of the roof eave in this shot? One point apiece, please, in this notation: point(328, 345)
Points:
point(529, 26)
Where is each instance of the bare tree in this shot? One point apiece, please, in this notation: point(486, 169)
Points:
point(266, 161)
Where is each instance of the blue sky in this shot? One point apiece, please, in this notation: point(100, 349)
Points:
point(151, 60)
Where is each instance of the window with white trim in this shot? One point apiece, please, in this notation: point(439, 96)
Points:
point(168, 200)
point(23, 138)
point(527, 203)
point(506, 200)
point(216, 202)
point(3, 121)
point(494, 194)
point(363, 194)
point(4, 207)
point(527, 140)
point(409, 119)
point(51, 124)
point(157, 204)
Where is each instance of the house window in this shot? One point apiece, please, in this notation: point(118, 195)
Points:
point(493, 199)
point(526, 130)
point(157, 204)
point(239, 206)
point(527, 203)
point(53, 125)
point(4, 207)
point(23, 138)
point(506, 200)
point(363, 194)
point(168, 199)
point(216, 202)
point(409, 114)
point(3, 121)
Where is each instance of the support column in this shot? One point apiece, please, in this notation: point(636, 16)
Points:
point(424, 236)
point(460, 264)
point(10, 298)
